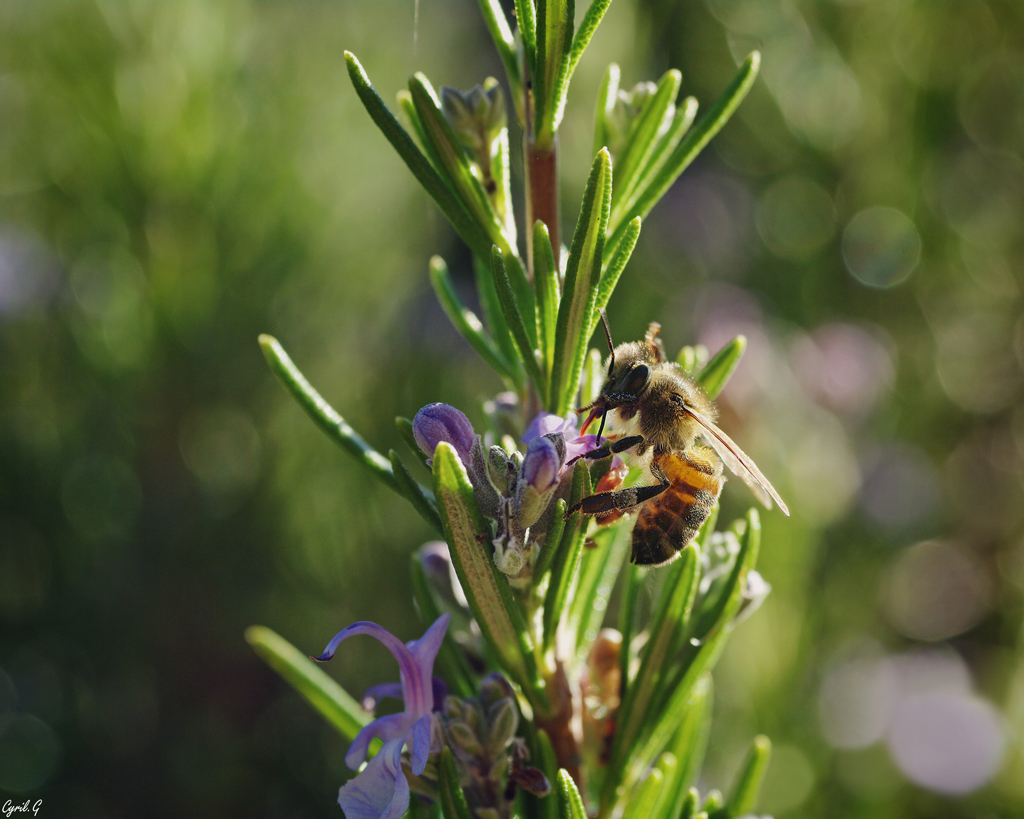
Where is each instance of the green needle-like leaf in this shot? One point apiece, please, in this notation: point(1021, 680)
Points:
point(641, 803)
point(708, 636)
point(690, 804)
point(493, 317)
point(570, 804)
point(408, 110)
point(404, 427)
point(588, 25)
point(566, 557)
point(487, 590)
point(465, 225)
point(527, 21)
point(516, 321)
point(719, 597)
point(748, 780)
point(713, 802)
point(555, 21)
point(450, 659)
point(545, 282)
point(632, 584)
point(690, 743)
point(501, 197)
point(323, 414)
point(311, 681)
point(551, 541)
point(717, 371)
point(452, 799)
point(613, 269)
point(467, 323)
point(599, 568)
point(669, 620)
point(579, 293)
point(548, 763)
point(710, 124)
point(663, 146)
point(606, 96)
point(421, 499)
point(643, 136)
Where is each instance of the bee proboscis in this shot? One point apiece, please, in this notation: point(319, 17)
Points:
point(658, 413)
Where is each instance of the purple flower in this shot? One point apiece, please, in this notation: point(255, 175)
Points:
point(575, 444)
point(441, 422)
point(381, 791)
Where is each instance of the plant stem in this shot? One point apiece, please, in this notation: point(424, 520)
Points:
point(541, 194)
point(558, 724)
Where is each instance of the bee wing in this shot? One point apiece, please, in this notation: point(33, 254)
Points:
point(739, 462)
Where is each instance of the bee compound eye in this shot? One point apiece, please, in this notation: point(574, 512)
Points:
point(636, 379)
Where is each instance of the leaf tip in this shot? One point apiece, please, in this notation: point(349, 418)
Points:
point(254, 635)
point(753, 523)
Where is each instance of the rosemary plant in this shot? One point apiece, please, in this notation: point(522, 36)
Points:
point(570, 717)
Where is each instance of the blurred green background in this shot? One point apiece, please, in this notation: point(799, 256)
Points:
point(177, 177)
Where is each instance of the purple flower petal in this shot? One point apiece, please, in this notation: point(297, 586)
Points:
point(546, 422)
point(440, 692)
point(419, 743)
point(415, 661)
point(391, 727)
point(423, 653)
point(380, 791)
point(375, 693)
point(579, 446)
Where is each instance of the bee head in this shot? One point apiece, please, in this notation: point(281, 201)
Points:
point(629, 371)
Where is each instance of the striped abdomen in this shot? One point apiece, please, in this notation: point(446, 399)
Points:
point(671, 520)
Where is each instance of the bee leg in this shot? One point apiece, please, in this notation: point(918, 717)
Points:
point(609, 449)
point(621, 499)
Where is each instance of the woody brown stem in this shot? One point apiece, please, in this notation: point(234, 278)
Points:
point(541, 194)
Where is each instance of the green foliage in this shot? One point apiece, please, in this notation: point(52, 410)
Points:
point(179, 177)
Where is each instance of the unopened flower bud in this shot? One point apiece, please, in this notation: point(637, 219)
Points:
point(494, 688)
point(463, 739)
point(537, 480)
point(627, 107)
point(541, 464)
point(440, 422)
point(440, 571)
point(500, 469)
point(487, 496)
point(503, 720)
point(477, 117)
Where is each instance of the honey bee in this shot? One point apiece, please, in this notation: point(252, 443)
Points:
point(658, 413)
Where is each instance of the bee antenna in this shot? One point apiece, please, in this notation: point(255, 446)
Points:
point(611, 346)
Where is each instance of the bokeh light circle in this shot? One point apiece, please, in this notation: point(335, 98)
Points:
point(796, 217)
point(936, 591)
point(881, 247)
point(947, 741)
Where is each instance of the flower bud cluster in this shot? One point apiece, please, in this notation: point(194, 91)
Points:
point(625, 111)
point(477, 117)
point(516, 491)
point(481, 733)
